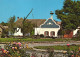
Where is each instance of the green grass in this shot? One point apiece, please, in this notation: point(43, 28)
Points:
point(33, 40)
point(58, 47)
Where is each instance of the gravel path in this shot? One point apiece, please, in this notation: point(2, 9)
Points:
point(52, 44)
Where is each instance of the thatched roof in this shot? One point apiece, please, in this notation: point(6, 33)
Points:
point(6, 27)
point(37, 22)
point(1, 26)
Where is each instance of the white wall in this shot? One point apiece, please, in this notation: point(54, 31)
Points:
point(37, 30)
point(75, 31)
point(18, 33)
point(42, 30)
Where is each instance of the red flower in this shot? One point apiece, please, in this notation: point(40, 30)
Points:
point(2, 49)
point(1, 55)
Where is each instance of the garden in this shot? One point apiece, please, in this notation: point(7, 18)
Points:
point(15, 47)
point(13, 50)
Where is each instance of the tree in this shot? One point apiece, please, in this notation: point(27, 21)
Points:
point(69, 14)
point(27, 27)
point(4, 33)
point(11, 24)
point(4, 24)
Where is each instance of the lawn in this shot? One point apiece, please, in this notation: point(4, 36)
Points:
point(58, 47)
point(33, 40)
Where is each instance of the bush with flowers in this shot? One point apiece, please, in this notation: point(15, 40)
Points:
point(13, 50)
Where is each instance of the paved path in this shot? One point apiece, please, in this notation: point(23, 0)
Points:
point(2, 45)
point(52, 44)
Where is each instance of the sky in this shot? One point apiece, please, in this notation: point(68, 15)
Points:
point(21, 8)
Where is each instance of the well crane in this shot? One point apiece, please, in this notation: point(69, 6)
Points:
point(24, 21)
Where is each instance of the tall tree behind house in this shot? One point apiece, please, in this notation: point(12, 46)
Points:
point(69, 14)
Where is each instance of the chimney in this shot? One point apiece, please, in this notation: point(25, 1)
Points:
point(17, 18)
point(51, 14)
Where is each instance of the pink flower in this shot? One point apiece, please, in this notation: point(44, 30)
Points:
point(12, 47)
point(67, 44)
point(72, 56)
point(19, 43)
point(7, 51)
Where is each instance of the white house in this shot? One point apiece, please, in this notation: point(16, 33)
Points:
point(48, 28)
point(18, 32)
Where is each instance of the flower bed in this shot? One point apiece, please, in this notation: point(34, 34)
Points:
point(13, 50)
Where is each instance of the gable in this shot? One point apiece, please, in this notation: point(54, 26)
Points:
point(49, 24)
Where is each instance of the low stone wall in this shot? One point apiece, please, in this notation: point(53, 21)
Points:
point(46, 54)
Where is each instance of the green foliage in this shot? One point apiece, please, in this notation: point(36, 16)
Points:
point(69, 14)
point(27, 27)
point(32, 33)
point(61, 32)
point(4, 24)
point(11, 24)
point(4, 33)
point(33, 40)
point(72, 47)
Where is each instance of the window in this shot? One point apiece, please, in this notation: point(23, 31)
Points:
point(46, 33)
point(52, 33)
